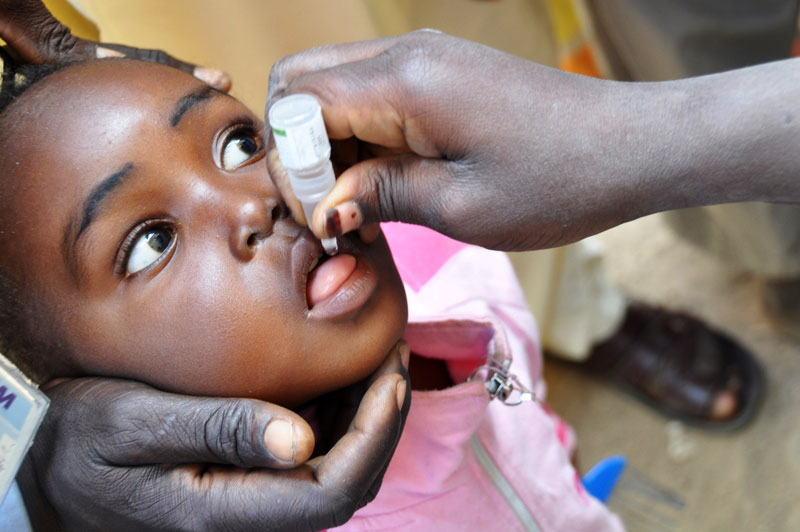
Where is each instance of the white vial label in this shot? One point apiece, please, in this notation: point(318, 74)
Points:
point(299, 131)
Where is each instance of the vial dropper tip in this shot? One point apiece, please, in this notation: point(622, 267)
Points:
point(330, 245)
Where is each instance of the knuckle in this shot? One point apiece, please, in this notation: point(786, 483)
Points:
point(422, 50)
point(228, 432)
point(459, 198)
point(410, 62)
point(334, 508)
point(287, 68)
point(389, 189)
point(59, 42)
point(278, 74)
point(414, 72)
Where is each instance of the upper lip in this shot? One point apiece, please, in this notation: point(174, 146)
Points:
point(306, 249)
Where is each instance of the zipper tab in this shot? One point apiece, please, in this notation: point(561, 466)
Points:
point(501, 384)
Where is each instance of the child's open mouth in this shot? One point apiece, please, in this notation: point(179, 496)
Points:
point(334, 286)
point(327, 275)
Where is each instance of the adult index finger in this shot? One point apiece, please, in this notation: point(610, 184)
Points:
point(353, 469)
point(291, 67)
point(366, 89)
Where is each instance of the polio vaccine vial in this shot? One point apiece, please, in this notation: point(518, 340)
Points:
point(305, 152)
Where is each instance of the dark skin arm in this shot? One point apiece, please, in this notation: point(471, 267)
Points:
point(494, 150)
point(119, 455)
point(33, 35)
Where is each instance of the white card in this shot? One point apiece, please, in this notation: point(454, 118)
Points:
point(22, 407)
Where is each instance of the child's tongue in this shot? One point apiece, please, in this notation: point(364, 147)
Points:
point(328, 277)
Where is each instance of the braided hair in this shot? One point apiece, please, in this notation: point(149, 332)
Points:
point(17, 78)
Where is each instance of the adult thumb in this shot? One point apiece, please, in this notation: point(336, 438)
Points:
point(403, 188)
point(130, 423)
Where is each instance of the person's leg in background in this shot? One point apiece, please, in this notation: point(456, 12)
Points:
point(575, 305)
point(672, 361)
point(696, 37)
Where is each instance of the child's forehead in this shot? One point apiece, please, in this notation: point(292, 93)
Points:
point(122, 83)
point(86, 90)
point(80, 124)
point(92, 107)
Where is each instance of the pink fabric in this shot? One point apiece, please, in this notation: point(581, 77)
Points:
point(467, 309)
point(418, 251)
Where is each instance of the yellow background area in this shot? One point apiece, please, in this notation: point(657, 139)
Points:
point(245, 37)
point(242, 37)
point(73, 19)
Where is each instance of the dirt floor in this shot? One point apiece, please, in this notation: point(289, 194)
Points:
point(679, 478)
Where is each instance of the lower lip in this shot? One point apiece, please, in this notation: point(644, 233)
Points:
point(351, 296)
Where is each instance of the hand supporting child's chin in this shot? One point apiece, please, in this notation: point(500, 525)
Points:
point(79, 453)
point(331, 416)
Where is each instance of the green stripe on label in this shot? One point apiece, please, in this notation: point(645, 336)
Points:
point(279, 132)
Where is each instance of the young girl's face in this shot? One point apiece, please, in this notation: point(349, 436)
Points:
point(143, 216)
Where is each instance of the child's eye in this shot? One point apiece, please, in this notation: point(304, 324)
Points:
point(147, 248)
point(239, 148)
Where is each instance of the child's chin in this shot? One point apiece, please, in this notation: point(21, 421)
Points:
point(329, 414)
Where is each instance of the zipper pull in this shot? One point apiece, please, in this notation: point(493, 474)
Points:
point(501, 384)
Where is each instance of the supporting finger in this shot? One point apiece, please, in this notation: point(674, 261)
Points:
point(212, 76)
point(398, 363)
point(33, 34)
point(353, 469)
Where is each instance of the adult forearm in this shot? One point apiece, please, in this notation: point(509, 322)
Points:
point(625, 150)
point(714, 139)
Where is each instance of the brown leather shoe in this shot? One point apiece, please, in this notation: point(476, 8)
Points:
point(681, 367)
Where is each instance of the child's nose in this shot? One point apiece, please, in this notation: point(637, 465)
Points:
point(253, 221)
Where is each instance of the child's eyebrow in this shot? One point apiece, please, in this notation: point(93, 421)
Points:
point(86, 215)
point(94, 202)
point(190, 100)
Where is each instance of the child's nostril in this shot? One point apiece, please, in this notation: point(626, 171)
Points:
point(280, 211)
point(252, 240)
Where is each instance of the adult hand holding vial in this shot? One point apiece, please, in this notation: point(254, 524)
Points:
point(305, 152)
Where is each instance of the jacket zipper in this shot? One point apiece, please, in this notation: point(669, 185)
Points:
point(506, 490)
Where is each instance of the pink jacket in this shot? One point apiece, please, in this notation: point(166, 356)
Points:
point(465, 461)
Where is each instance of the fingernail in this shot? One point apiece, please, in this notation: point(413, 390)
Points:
point(213, 76)
point(405, 354)
point(102, 52)
point(344, 218)
point(401, 393)
point(333, 223)
point(279, 439)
